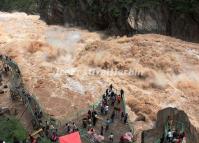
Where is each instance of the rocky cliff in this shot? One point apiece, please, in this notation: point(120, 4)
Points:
point(161, 20)
point(178, 18)
point(175, 18)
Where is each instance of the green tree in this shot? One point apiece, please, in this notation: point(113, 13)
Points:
point(10, 128)
point(29, 6)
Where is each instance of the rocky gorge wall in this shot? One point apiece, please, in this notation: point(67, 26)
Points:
point(159, 20)
point(126, 17)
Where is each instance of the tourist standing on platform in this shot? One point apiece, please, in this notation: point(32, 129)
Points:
point(107, 125)
point(118, 99)
point(46, 129)
point(170, 136)
point(74, 127)
point(111, 87)
point(122, 93)
point(111, 136)
point(90, 122)
point(125, 118)
point(122, 116)
point(68, 128)
point(113, 99)
point(182, 137)
point(113, 116)
point(107, 93)
point(105, 101)
point(89, 114)
point(94, 117)
point(102, 131)
point(175, 134)
point(32, 139)
point(54, 137)
point(112, 94)
point(106, 109)
point(84, 122)
point(102, 109)
point(103, 96)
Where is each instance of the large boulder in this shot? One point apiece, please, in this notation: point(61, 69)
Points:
point(178, 116)
point(147, 20)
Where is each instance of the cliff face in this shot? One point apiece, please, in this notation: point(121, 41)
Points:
point(125, 17)
point(150, 136)
point(170, 17)
point(160, 20)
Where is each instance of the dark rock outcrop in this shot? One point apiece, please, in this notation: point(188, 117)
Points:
point(150, 136)
point(124, 17)
point(160, 20)
point(177, 18)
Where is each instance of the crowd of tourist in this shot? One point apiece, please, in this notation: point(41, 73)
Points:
point(173, 136)
point(109, 109)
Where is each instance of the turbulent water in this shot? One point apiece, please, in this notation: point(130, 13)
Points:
point(70, 67)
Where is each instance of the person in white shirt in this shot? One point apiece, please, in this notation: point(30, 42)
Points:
point(106, 109)
point(111, 136)
point(74, 127)
point(170, 136)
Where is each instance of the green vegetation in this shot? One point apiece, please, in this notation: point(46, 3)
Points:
point(113, 8)
point(10, 128)
point(107, 12)
point(185, 6)
point(29, 6)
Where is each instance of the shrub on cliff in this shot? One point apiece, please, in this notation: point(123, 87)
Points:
point(10, 128)
point(29, 6)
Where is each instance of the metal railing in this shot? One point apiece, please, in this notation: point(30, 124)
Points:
point(19, 92)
